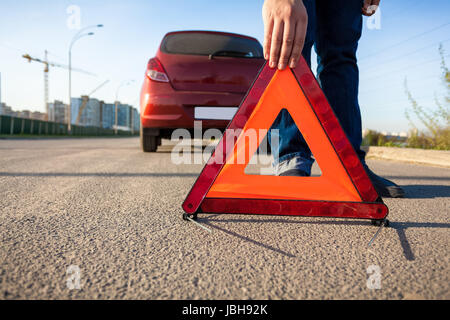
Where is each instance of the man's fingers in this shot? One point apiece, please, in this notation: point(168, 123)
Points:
point(268, 28)
point(370, 7)
point(300, 32)
point(286, 47)
point(277, 38)
point(375, 4)
point(282, 18)
point(366, 5)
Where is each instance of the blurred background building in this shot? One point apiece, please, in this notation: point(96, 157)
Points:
point(85, 111)
point(123, 115)
point(88, 111)
point(136, 120)
point(27, 114)
point(108, 115)
point(57, 111)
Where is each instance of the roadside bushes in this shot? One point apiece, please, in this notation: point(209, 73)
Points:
point(436, 122)
point(375, 138)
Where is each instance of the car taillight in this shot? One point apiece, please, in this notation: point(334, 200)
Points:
point(156, 72)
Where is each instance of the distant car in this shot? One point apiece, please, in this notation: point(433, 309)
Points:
point(196, 75)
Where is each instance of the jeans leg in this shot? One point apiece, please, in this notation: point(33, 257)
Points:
point(292, 151)
point(339, 26)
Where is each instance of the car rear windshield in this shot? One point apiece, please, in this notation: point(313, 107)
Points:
point(197, 43)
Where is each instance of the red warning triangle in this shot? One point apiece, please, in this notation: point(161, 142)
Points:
point(343, 189)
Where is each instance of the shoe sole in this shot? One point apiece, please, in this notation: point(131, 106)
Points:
point(392, 192)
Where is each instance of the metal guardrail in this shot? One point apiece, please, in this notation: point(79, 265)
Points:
point(16, 126)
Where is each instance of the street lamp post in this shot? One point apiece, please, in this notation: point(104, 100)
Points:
point(116, 103)
point(78, 36)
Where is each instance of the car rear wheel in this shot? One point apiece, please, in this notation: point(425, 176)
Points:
point(149, 143)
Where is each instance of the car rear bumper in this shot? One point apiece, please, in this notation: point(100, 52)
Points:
point(169, 108)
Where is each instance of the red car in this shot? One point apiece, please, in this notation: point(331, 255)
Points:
point(196, 75)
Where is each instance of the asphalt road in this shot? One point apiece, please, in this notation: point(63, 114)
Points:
point(114, 212)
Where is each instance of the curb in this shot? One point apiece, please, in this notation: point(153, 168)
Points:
point(439, 158)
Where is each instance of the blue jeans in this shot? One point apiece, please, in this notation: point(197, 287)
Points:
point(334, 29)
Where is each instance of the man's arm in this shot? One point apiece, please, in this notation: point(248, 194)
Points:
point(285, 24)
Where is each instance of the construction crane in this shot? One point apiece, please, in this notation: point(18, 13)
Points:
point(47, 65)
point(84, 101)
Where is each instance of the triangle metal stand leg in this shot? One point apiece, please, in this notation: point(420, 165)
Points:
point(193, 218)
point(381, 223)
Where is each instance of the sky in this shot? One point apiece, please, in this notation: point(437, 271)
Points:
point(400, 44)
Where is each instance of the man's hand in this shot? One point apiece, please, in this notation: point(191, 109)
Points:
point(285, 23)
point(370, 7)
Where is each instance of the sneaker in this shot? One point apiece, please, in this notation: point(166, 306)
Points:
point(294, 173)
point(385, 188)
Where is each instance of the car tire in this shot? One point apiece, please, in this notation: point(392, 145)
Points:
point(148, 143)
